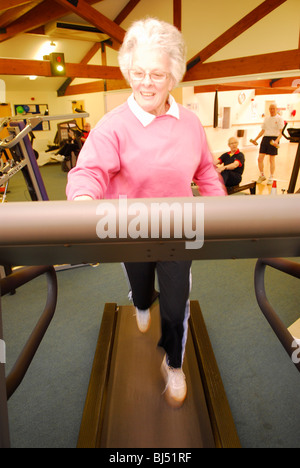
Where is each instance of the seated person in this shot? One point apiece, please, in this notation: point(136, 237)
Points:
point(231, 165)
point(72, 144)
point(86, 131)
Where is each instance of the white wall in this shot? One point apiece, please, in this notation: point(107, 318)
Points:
point(247, 116)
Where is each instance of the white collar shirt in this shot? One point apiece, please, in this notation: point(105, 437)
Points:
point(145, 117)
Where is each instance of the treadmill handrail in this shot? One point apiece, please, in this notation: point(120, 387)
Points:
point(283, 130)
point(72, 222)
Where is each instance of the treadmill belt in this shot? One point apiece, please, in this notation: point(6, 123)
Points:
point(137, 414)
point(125, 405)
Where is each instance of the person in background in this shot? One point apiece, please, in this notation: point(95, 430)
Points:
point(231, 165)
point(272, 132)
point(151, 147)
point(86, 132)
point(71, 145)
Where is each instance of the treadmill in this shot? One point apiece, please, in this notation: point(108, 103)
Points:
point(125, 405)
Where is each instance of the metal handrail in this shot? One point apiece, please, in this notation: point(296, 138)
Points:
point(290, 268)
point(10, 283)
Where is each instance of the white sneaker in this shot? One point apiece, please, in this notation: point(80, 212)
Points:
point(261, 179)
point(176, 388)
point(270, 181)
point(143, 319)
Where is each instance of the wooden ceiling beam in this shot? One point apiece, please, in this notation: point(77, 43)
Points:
point(38, 16)
point(8, 4)
point(252, 65)
point(218, 87)
point(251, 83)
point(85, 88)
point(90, 54)
point(118, 84)
point(236, 30)
point(235, 86)
point(113, 44)
point(258, 91)
point(126, 11)
point(93, 16)
point(79, 70)
point(13, 14)
point(266, 86)
point(177, 13)
point(285, 82)
point(96, 87)
point(42, 68)
point(24, 67)
point(262, 91)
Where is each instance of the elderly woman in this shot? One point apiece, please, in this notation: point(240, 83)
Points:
point(151, 147)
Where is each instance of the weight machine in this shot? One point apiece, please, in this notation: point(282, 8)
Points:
point(24, 158)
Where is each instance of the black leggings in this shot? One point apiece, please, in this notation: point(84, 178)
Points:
point(174, 289)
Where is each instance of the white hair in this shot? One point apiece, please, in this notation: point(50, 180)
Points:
point(158, 34)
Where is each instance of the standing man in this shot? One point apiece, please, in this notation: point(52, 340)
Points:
point(271, 132)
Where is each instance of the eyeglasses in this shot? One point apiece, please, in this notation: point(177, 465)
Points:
point(139, 75)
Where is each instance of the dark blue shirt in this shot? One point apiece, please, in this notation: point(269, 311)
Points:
point(227, 158)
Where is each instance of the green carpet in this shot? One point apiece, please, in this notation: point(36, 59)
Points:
point(54, 179)
point(261, 382)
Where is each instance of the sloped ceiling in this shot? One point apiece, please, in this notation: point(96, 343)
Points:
point(230, 44)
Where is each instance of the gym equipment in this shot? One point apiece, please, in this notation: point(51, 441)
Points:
point(240, 188)
point(230, 190)
point(23, 154)
point(9, 384)
point(127, 362)
point(69, 136)
point(293, 138)
point(66, 232)
point(290, 268)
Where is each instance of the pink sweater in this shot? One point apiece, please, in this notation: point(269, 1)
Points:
point(122, 157)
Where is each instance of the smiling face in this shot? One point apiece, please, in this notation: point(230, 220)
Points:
point(233, 144)
point(273, 110)
point(151, 95)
